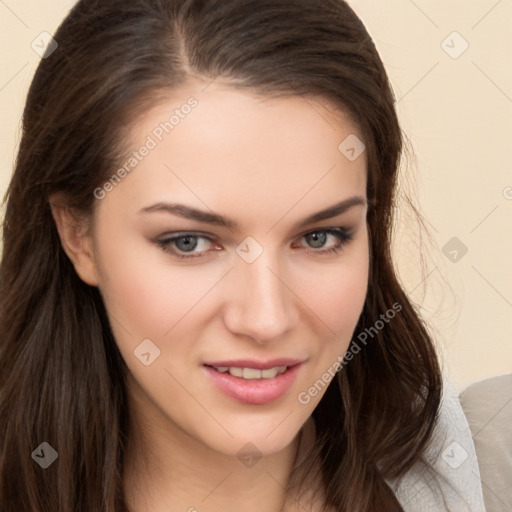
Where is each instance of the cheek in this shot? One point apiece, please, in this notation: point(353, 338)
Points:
point(339, 308)
point(336, 293)
point(146, 296)
point(348, 298)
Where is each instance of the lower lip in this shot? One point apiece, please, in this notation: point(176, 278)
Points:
point(254, 391)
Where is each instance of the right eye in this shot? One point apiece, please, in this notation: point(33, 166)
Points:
point(184, 245)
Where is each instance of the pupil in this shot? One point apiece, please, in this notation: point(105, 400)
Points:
point(318, 239)
point(190, 243)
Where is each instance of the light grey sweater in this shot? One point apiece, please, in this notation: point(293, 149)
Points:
point(453, 484)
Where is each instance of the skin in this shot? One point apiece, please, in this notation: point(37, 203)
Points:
point(267, 164)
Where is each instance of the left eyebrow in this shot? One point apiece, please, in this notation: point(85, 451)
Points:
point(218, 220)
point(332, 211)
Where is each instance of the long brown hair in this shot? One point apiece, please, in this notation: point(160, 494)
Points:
point(62, 378)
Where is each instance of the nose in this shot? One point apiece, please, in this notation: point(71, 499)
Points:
point(260, 302)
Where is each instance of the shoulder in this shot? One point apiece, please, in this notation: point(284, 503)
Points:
point(488, 408)
point(446, 478)
point(487, 399)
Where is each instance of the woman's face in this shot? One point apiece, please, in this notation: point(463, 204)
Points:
point(241, 279)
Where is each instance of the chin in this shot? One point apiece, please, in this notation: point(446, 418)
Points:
point(257, 436)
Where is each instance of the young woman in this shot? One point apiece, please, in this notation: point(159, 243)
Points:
point(198, 309)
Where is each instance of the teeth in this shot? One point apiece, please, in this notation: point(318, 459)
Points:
point(270, 373)
point(236, 372)
point(252, 373)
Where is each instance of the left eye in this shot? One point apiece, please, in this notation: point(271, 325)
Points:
point(193, 245)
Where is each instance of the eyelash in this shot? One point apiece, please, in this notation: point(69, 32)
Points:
point(342, 235)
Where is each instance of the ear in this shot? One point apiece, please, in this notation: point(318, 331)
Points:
point(75, 239)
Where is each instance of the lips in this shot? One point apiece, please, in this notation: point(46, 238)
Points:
point(252, 363)
point(253, 390)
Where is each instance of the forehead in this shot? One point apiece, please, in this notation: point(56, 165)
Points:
point(227, 147)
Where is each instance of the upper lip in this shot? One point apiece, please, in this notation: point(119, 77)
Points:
point(252, 363)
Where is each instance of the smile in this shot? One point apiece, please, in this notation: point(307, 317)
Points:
point(254, 386)
point(252, 373)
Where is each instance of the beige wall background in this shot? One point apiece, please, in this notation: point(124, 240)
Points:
point(450, 65)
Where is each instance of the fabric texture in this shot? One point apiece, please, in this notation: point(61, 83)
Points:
point(488, 408)
point(447, 478)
